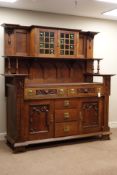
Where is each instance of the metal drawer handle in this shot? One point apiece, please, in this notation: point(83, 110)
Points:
point(66, 128)
point(66, 115)
point(72, 91)
point(66, 103)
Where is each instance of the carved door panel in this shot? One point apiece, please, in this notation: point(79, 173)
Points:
point(91, 114)
point(40, 120)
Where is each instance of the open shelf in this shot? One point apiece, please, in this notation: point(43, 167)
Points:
point(15, 75)
point(98, 74)
point(51, 58)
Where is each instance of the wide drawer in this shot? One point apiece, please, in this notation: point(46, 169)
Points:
point(66, 103)
point(62, 115)
point(66, 129)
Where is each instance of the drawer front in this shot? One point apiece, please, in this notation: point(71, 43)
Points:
point(66, 103)
point(66, 129)
point(66, 115)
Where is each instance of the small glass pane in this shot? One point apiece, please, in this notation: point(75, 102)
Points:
point(71, 52)
point(71, 46)
point(62, 35)
point(71, 36)
point(51, 34)
point(46, 45)
point(66, 52)
point(62, 46)
point(62, 41)
point(41, 34)
point(46, 51)
point(62, 52)
point(51, 45)
point(42, 51)
point(41, 45)
point(51, 40)
point(66, 46)
point(67, 35)
point(47, 34)
point(46, 39)
point(67, 41)
point(71, 41)
point(51, 51)
point(41, 39)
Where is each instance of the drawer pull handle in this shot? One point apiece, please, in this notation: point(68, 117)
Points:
point(66, 129)
point(66, 115)
point(61, 92)
point(66, 103)
point(72, 91)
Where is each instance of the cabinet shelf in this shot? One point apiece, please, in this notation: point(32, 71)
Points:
point(15, 75)
point(51, 58)
point(98, 74)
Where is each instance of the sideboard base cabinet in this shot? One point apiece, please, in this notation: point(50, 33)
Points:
point(49, 86)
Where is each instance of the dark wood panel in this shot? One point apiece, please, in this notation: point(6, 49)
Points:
point(91, 114)
point(39, 119)
point(21, 42)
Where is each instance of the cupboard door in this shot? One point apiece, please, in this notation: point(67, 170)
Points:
point(82, 45)
point(68, 43)
point(40, 120)
point(47, 43)
point(43, 42)
point(16, 42)
point(21, 42)
point(91, 114)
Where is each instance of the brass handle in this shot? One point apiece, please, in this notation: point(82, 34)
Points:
point(66, 115)
point(85, 90)
point(66, 128)
point(30, 92)
point(61, 92)
point(72, 91)
point(66, 103)
point(99, 92)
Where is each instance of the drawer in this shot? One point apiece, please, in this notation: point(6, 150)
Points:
point(66, 129)
point(63, 115)
point(66, 103)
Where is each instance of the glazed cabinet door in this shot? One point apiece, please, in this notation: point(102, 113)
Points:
point(40, 120)
point(68, 44)
point(43, 42)
point(91, 114)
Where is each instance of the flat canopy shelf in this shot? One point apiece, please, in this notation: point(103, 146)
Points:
point(59, 84)
point(98, 74)
point(14, 75)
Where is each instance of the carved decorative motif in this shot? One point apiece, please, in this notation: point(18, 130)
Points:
point(46, 92)
point(39, 118)
point(90, 116)
point(90, 106)
point(9, 31)
point(86, 90)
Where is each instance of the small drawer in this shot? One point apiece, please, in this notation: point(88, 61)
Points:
point(66, 129)
point(66, 115)
point(66, 103)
